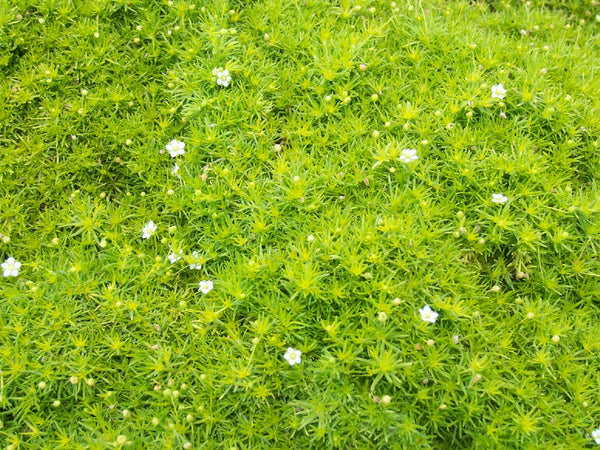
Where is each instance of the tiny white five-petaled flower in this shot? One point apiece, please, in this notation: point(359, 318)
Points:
point(205, 287)
point(175, 148)
point(293, 356)
point(195, 265)
point(428, 315)
point(408, 155)
point(175, 256)
point(499, 198)
point(148, 230)
point(223, 77)
point(596, 435)
point(10, 267)
point(498, 91)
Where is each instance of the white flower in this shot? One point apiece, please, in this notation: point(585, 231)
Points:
point(175, 256)
point(428, 315)
point(499, 198)
point(195, 265)
point(11, 267)
point(498, 91)
point(175, 169)
point(408, 155)
point(223, 77)
point(175, 148)
point(205, 287)
point(148, 230)
point(293, 356)
point(596, 433)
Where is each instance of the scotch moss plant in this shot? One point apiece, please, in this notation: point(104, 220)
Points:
point(270, 224)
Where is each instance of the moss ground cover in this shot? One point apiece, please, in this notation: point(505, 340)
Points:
point(299, 224)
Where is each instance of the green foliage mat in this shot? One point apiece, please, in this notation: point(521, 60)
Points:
point(347, 164)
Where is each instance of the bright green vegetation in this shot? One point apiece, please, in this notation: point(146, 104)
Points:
point(314, 234)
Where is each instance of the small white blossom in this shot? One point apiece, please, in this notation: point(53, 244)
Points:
point(498, 91)
point(596, 433)
point(175, 256)
point(428, 315)
point(10, 267)
point(499, 198)
point(293, 356)
point(408, 155)
point(175, 169)
point(196, 264)
point(222, 75)
point(148, 230)
point(175, 148)
point(205, 287)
